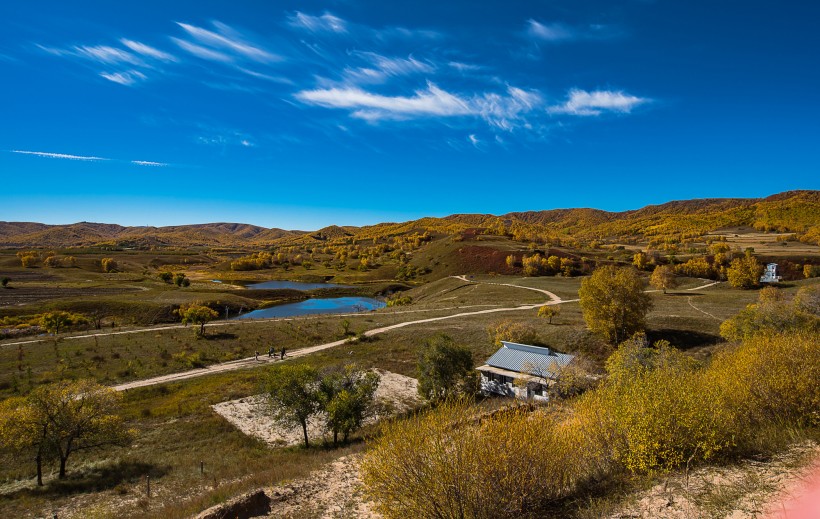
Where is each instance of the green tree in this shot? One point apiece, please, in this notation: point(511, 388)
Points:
point(197, 314)
point(166, 276)
point(745, 272)
point(179, 279)
point(445, 368)
point(5, 281)
point(614, 303)
point(663, 278)
point(347, 397)
point(293, 395)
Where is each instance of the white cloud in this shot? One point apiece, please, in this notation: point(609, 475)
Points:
point(58, 155)
point(229, 39)
point(202, 52)
point(324, 23)
point(266, 77)
point(473, 140)
point(505, 112)
point(124, 78)
point(149, 163)
point(464, 67)
point(430, 102)
point(581, 102)
point(549, 32)
point(146, 50)
point(108, 55)
point(382, 67)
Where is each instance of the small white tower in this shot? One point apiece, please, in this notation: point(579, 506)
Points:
point(770, 275)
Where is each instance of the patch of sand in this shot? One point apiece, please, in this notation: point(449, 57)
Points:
point(396, 393)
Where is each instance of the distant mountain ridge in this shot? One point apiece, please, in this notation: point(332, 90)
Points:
point(792, 211)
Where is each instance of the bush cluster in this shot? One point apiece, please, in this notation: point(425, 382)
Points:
point(658, 410)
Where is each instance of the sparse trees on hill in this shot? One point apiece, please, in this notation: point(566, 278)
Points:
point(614, 303)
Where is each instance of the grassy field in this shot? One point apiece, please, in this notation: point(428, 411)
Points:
point(178, 429)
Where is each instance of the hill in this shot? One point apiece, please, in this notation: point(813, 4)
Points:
point(672, 222)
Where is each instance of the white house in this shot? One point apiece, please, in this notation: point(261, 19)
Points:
point(770, 274)
point(536, 365)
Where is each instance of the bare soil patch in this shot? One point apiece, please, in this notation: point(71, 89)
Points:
point(750, 489)
point(396, 393)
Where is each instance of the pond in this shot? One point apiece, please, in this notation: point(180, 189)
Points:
point(330, 305)
point(293, 285)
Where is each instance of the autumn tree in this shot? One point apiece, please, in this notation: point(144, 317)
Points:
point(640, 260)
point(197, 314)
point(24, 432)
point(745, 272)
point(59, 419)
point(293, 395)
point(53, 321)
point(109, 265)
point(347, 397)
point(511, 331)
point(614, 303)
point(548, 312)
point(445, 369)
point(663, 278)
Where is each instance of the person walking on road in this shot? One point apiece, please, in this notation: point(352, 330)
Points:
point(283, 354)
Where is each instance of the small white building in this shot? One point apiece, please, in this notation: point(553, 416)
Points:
point(522, 371)
point(770, 274)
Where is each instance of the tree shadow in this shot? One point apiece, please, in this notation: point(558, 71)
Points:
point(94, 479)
point(683, 339)
point(219, 336)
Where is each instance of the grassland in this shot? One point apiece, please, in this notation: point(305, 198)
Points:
point(140, 337)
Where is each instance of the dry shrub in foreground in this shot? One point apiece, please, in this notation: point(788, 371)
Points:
point(442, 464)
point(658, 411)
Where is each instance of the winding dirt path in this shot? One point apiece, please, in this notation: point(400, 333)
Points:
point(251, 362)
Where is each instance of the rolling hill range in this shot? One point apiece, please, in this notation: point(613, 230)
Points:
point(793, 212)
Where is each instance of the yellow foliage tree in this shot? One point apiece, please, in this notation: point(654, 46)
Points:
point(614, 303)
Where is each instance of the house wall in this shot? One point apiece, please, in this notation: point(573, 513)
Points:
point(505, 386)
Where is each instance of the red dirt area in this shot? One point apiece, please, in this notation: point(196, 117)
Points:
point(473, 258)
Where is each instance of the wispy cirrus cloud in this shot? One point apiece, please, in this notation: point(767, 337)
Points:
point(65, 156)
point(202, 52)
point(147, 50)
point(323, 23)
point(583, 103)
point(226, 39)
point(552, 32)
point(380, 68)
point(149, 163)
point(126, 78)
point(502, 111)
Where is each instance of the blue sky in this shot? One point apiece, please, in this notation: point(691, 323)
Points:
point(302, 114)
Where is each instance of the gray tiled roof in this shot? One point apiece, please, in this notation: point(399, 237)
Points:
point(514, 357)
